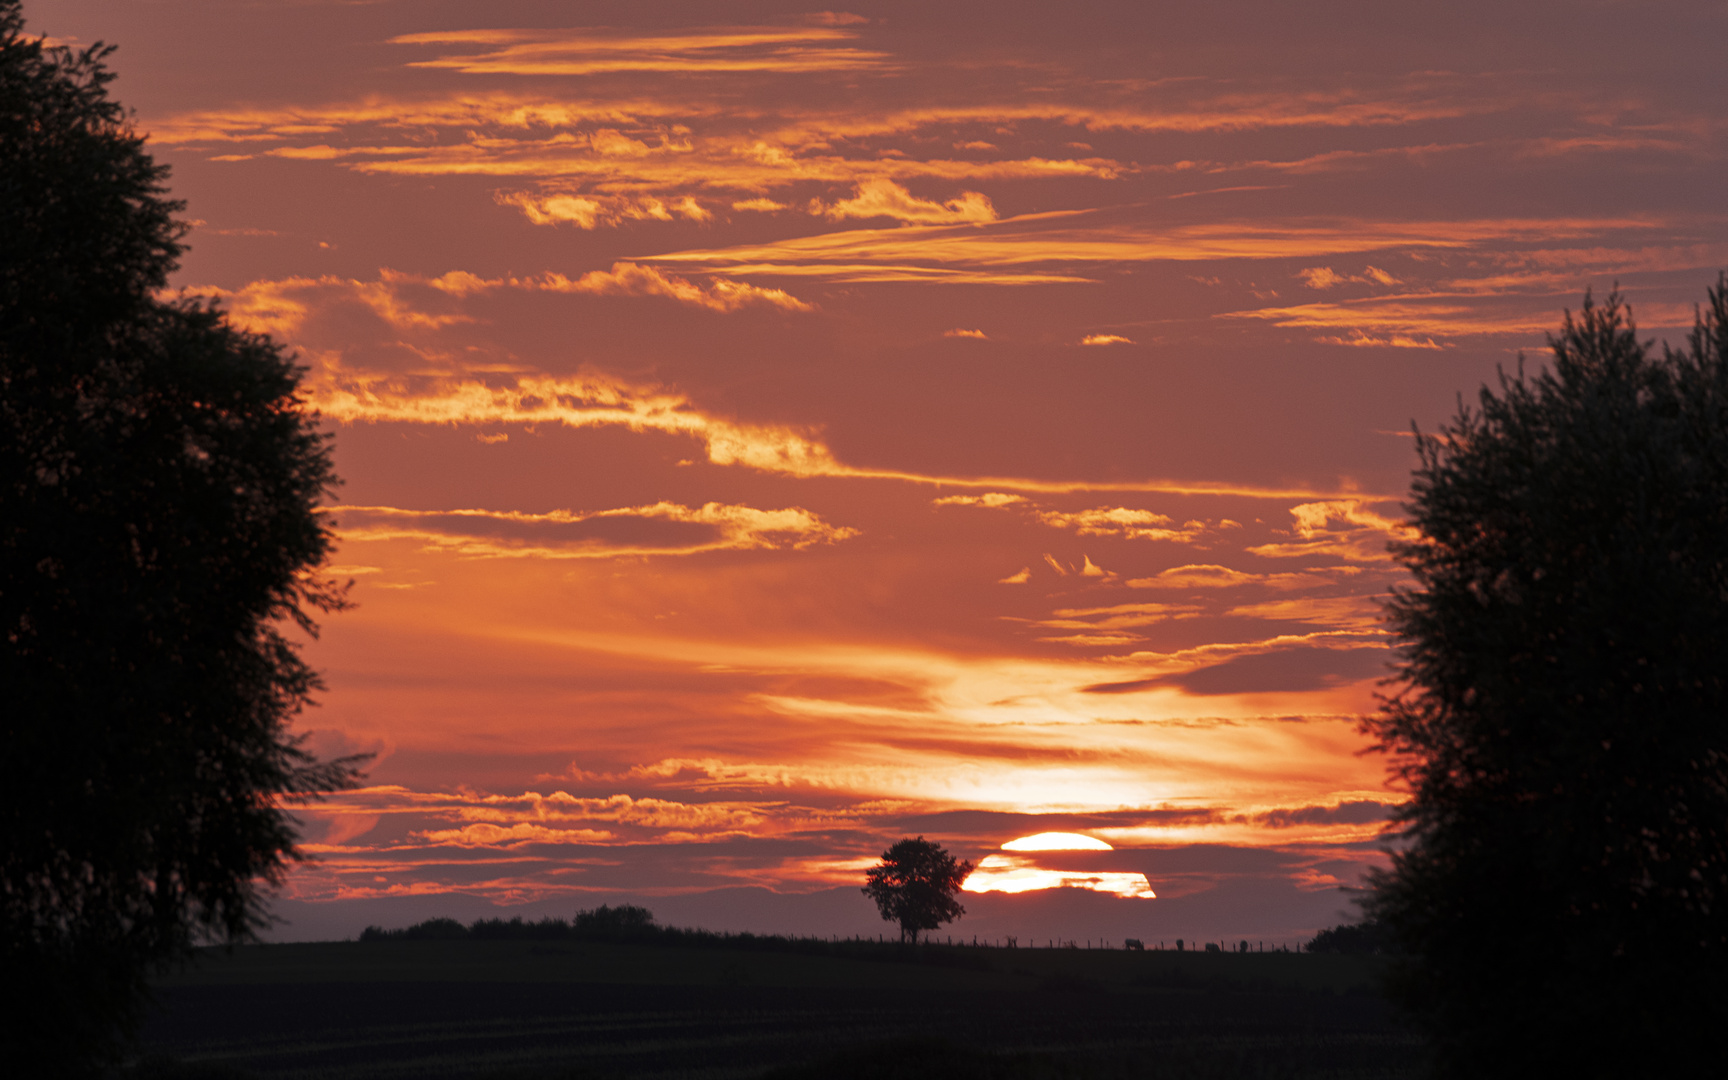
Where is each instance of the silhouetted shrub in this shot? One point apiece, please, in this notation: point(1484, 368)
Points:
point(1372, 936)
point(430, 930)
point(547, 929)
point(624, 922)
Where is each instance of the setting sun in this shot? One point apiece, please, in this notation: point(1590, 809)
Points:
point(1008, 874)
point(1056, 841)
point(1019, 874)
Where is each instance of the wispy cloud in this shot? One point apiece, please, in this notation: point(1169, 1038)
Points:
point(631, 279)
point(596, 400)
point(1324, 277)
point(593, 211)
point(657, 529)
point(1211, 576)
point(1128, 523)
point(414, 303)
point(1344, 528)
point(1004, 252)
point(882, 197)
point(598, 51)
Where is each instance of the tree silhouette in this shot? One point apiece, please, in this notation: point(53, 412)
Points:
point(1563, 728)
point(622, 922)
point(914, 885)
point(159, 480)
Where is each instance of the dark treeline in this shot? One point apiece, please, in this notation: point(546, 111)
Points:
point(635, 925)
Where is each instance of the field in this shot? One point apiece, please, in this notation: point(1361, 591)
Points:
point(525, 1010)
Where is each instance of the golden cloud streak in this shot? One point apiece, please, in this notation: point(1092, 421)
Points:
point(735, 528)
point(280, 307)
point(1233, 111)
point(596, 401)
point(630, 279)
point(1030, 239)
point(1122, 521)
point(1406, 322)
point(580, 51)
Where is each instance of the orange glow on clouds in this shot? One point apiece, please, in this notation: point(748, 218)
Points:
point(764, 441)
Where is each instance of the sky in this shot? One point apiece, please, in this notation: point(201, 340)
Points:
point(768, 433)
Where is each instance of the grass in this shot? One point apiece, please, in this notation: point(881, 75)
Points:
point(770, 1008)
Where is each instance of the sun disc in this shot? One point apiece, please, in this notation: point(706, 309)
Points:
point(1056, 841)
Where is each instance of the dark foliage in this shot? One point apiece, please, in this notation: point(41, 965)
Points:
point(447, 929)
point(158, 486)
point(1564, 725)
point(914, 885)
point(443, 929)
point(1356, 939)
point(641, 929)
point(515, 929)
point(623, 921)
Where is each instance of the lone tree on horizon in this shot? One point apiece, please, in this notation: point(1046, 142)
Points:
point(914, 885)
point(1562, 898)
point(160, 478)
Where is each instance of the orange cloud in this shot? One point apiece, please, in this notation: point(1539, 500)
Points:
point(1360, 340)
point(590, 212)
point(1405, 321)
point(1324, 277)
point(589, 52)
point(882, 197)
point(1122, 521)
point(1338, 527)
point(630, 279)
point(1350, 612)
point(281, 307)
point(985, 254)
point(595, 400)
point(1209, 576)
point(659, 529)
point(1105, 339)
point(1115, 617)
point(501, 836)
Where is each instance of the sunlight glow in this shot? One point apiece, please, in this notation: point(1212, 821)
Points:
point(1010, 874)
point(1056, 841)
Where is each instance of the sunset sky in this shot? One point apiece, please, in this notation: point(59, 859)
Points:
point(768, 434)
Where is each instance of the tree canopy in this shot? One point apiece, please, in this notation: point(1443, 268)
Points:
point(160, 479)
point(914, 885)
point(1562, 895)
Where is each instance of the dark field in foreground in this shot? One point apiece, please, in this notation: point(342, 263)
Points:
point(523, 1009)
